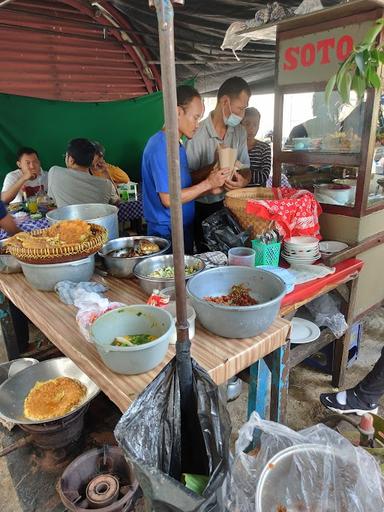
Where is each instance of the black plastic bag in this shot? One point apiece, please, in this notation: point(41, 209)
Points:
point(221, 231)
point(149, 433)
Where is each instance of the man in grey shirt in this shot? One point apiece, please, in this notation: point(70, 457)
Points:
point(75, 184)
point(222, 126)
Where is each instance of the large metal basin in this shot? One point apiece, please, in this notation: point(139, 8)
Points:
point(236, 321)
point(46, 276)
point(15, 389)
point(96, 213)
point(123, 267)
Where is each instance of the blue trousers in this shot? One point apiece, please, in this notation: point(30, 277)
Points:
point(164, 231)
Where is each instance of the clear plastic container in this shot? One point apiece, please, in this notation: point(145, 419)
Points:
point(171, 308)
point(241, 256)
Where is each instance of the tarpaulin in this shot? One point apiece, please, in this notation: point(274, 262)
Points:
point(123, 127)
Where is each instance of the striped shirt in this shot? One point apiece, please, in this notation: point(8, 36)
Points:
point(260, 158)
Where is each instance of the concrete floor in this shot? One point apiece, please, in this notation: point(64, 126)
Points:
point(26, 488)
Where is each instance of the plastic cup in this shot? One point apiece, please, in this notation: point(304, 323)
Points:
point(241, 256)
point(32, 204)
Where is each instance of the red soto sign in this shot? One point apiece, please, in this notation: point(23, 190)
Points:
point(316, 56)
point(305, 55)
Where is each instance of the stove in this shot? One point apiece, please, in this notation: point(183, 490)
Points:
point(55, 442)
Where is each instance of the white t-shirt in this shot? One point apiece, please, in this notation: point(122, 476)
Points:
point(13, 176)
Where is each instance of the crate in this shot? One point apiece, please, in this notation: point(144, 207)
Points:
point(266, 254)
point(323, 360)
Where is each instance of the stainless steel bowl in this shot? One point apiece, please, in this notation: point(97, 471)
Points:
point(96, 213)
point(8, 263)
point(236, 321)
point(147, 266)
point(14, 390)
point(46, 276)
point(123, 267)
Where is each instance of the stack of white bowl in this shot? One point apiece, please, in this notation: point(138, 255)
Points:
point(301, 250)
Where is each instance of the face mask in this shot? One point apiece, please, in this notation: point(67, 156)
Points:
point(232, 120)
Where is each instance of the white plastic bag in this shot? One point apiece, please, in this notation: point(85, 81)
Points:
point(323, 473)
point(91, 306)
point(308, 6)
point(326, 313)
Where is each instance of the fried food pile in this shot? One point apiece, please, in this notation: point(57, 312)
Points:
point(53, 398)
point(65, 232)
point(238, 296)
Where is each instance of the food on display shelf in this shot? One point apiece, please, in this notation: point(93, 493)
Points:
point(238, 296)
point(132, 340)
point(53, 398)
point(344, 141)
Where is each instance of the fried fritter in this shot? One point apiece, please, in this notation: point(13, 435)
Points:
point(71, 231)
point(146, 247)
point(53, 398)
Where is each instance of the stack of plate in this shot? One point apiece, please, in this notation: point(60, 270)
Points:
point(301, 250)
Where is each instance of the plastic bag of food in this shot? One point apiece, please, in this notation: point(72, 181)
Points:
point(153, 439)
point(91, 306)
point(314, 470)
point(221, 231)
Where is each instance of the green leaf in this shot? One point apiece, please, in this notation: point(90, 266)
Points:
point(381, 56)
point(359, 59)
point(374, 79)
point(329, 88)
point(345, 87)
point(372, 33)
point(358, 85)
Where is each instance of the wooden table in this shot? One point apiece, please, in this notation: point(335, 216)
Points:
point(222, 358)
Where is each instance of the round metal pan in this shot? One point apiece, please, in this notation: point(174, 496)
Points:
point(15, 389)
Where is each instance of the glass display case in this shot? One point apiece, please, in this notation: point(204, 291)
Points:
point(333, 149)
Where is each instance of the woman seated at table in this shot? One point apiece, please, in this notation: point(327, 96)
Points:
point(101, 168)
point(156, 197)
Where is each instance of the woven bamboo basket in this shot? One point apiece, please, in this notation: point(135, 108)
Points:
point(61, 254)
point(236, 202)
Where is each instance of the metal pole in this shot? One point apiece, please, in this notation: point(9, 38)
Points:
point(165, 16)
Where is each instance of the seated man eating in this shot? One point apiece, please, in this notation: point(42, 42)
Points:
point(75, 183)
point(29, 178)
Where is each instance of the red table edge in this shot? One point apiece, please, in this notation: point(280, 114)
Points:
point(303, 291)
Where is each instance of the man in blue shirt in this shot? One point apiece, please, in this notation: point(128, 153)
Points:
point(156, 198)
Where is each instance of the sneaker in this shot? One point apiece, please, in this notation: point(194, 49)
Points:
point(353, 404)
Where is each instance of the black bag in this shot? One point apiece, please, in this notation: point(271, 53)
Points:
point(221, 231)
point(150, 434)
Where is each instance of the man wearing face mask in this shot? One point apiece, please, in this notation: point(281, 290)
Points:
point(222, 126)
